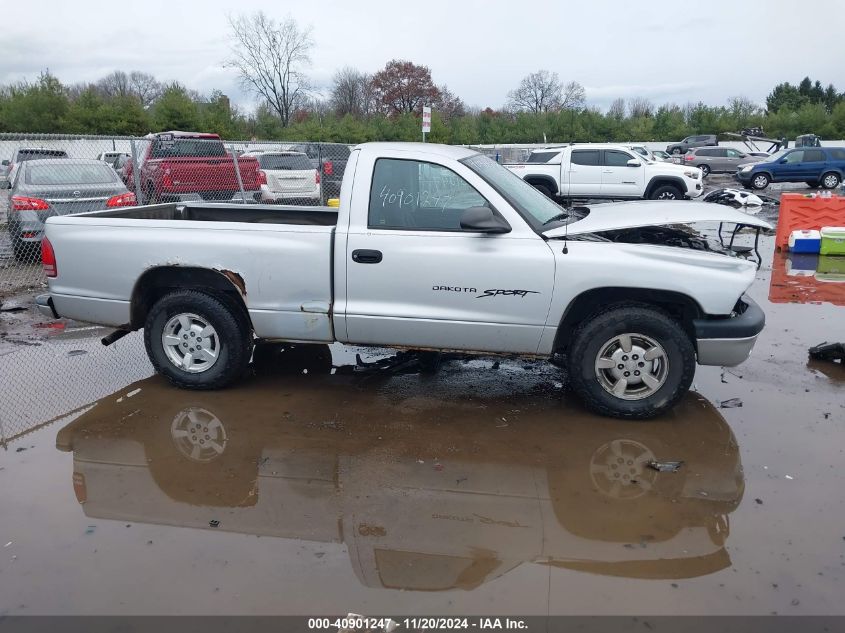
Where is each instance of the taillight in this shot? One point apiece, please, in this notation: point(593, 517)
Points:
point(166, 181)
point(262, 177)
point(328, 168)
point(689, 156)
point(316, 177)
point(25, 203)
point(123, 200)
point(48, 259)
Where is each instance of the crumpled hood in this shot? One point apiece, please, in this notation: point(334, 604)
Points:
point(628, 215)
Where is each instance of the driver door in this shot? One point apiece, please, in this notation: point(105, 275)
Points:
point(415, 278)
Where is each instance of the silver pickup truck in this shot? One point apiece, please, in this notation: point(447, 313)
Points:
point(432, 247)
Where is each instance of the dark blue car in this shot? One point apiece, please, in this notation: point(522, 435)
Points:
point(817, 166)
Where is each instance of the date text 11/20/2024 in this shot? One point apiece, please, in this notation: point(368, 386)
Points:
point(360, 623)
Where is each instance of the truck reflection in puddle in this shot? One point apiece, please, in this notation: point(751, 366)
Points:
point(428, 486)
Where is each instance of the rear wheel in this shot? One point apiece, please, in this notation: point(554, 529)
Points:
point(677, 150)
point(830, 180)
point(196, 340)
point(666, 192)
point(705, 170)
point(631, 362)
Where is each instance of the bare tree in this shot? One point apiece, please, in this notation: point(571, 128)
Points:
point(449, 104)
point(537, 92)
point(144, 86)
point(617, 109)
point(743, 109)
point(115, 84)
point(350, 90)
point(270, 58)
point(640, 107)
point(573, 96)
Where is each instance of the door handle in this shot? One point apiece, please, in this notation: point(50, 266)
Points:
point(366, 256)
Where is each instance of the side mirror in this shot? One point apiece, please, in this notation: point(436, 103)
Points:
point(634, 163)
point(782, 161)
point(483, 219)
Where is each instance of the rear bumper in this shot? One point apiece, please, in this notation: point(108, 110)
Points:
point(44, 304)
point(728, 342)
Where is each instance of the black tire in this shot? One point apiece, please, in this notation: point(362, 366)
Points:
point(667, 192)
point(677, 151)
point(590, 339)
point(234, 336)
point(813, 184)
point(760, 181)
point(705, 170)
point(543, 189)
point(830, 180)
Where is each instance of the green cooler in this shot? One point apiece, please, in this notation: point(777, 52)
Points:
point(833, 240)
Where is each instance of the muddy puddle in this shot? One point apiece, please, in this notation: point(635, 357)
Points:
point(480, 488)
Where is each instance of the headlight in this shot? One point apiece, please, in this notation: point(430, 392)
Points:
point(693, 174)
point(747, 168)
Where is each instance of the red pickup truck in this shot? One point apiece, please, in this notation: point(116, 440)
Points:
point(182, 166)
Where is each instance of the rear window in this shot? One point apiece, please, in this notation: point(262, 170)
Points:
point(284, 161)
point(837, 154)
point(35, 154)
point(188, 147)
point(70, 175)
point(585, 157)
point(541, 157)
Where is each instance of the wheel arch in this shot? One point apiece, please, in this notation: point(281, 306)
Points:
point(659, 181)
point(546, 181)
point(678, 305)
point(158, 281)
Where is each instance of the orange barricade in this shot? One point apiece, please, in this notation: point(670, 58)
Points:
point(812, 287)
point(798, 211)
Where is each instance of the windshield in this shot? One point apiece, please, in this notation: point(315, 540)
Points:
point(776, 156)
point(71, 175)
point(535, 207)
point(542, 157)
point(295, 162)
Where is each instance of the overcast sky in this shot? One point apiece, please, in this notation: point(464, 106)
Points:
point(665, 50)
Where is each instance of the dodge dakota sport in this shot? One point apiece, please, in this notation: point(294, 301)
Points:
point(433, 248)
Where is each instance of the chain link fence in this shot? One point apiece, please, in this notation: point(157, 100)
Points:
point(50, 369)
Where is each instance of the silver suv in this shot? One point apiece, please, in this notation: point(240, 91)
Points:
point(718, 159)
point(700, 140)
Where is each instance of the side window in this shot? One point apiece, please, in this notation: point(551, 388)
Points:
point(409, 194)
point(794, 157)
point(836, 154)
point(704, 152)
point(585, 157)
point(732, 153)
point(615, 158)
point(813, 156)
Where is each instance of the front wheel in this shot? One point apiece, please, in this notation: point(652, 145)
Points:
point(631, 362)
point(760, 181)
point(705, 170)
point(667, 192)
point(197, 341)
point(544, 190)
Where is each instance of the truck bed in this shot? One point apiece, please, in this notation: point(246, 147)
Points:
point(223, 212)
